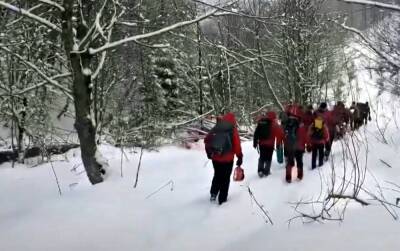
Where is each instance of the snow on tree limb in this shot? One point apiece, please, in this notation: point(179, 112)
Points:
point(112, 45)
point(30, 15)
point(19, 19)
point(41, 73)
point(31, 88)
point(54, 4)
point(371, 45)
point(264, 72)
point(374, 3)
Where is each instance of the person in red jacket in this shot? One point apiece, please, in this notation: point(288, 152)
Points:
point(318, 134)
point(330, 123)
point(266, 134)
point(222, 143)
point(295, 141)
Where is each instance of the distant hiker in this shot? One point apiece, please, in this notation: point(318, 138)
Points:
point(266, 134)
point(365, 113)
point(329, 122)
point(318, 134)
point(295, 140)
point(222, 143)
point(341, 117)
point(355, 118)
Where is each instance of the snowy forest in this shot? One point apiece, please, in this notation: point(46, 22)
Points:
point(111, 112)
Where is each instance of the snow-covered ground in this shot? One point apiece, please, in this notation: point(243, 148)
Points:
point(115, 216)
point(170, 209)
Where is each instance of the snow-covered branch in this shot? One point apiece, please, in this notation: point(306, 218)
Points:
point(41, 73)
point(374, 3)
point(191, 120)
point(371, 45)
point(28, 89)
point(112, 45)
point(30, 15)
point(54, 4)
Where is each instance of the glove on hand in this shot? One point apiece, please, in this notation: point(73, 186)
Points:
point(239, 161)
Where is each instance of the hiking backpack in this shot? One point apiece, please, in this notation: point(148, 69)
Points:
point(264, 128)
point(291, 127)
point(318, 129)
point(221, 138)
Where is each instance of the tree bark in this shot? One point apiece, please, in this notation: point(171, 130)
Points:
point(82, 89)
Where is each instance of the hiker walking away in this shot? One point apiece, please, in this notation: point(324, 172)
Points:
point(365, 113)
point(222, 143)
point(266, 134)
point(342, 117)
point(329, 121)
point(355, 118)
point(318, 134)
point(295, 141)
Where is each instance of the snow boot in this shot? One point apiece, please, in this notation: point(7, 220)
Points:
point(260, 168)
point(300, 173)
point(213, 197)
point(221, 201)
point(289, 174)
point(267, 169)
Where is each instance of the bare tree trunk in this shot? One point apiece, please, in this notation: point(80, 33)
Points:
point(82, 89)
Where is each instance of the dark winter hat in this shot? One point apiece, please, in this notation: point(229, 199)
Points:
point(323, 105)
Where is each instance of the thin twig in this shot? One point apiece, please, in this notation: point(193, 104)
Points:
point(261, 207)
point(138, 168)
point(159, 189)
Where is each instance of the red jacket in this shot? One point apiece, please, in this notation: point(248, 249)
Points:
point(301, 140)
point(308, 118)
point(276, 134)
point(236, 148)
point(322, 141)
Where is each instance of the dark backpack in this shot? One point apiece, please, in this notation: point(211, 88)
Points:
point(291, 127)
point(264, 129)
point(221, 138)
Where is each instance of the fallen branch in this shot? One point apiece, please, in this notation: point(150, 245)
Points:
point(12, 155)
point(350, 197)
point(261, 207)
point(158, 190)
point(384, 162)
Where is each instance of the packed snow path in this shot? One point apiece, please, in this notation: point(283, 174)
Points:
point(115, 216)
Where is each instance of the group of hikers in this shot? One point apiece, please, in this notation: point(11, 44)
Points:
point(298, 129)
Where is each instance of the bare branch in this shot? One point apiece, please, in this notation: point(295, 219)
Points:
point(111, 45)
point(374, 3)
point(35, 68)
point(261, 207)
point(370, 44)
point(64, 75)
point(31, 16)
point(342, 196)
point(54, 4)
point(138, 168)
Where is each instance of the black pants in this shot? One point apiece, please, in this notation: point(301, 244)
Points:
point(328, 145)
point(220, 182)
point(264, 162)
point(317, 149)
point(293, 156)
